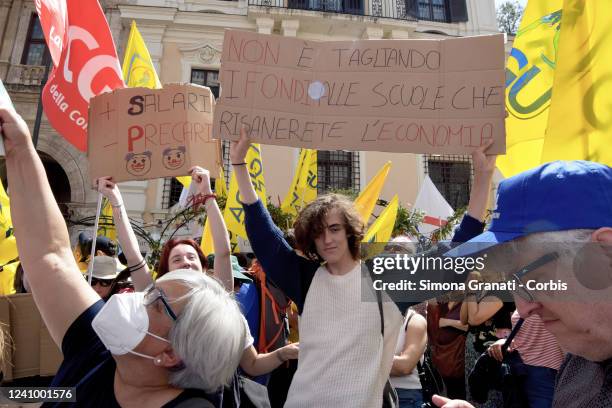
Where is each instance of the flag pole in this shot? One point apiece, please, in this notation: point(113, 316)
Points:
point(94, 239)
point(39, 111)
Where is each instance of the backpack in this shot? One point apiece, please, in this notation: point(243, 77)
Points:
point(274, 306)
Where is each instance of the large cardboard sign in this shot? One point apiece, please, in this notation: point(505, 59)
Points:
point(420, 96)
point(141, 133)
point(29, 350)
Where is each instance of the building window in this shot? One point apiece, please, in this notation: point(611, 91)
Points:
point(433, 10)
point(206, 78)
point(452, 175)
point(172, 192)
point(338, 170)
point(35, 50)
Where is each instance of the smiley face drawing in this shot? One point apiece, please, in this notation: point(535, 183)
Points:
point(138, 164)
point(174, 158)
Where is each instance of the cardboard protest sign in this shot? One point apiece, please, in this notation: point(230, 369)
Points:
point(142, 133)
point(5, 102)
point(33, 351)
point(421, 96)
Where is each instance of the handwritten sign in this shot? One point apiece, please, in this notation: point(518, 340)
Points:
point(421, 96)
point(141, 133)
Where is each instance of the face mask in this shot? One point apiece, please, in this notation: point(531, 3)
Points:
point(122, 323)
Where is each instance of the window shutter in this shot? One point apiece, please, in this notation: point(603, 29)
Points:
point(458, 11)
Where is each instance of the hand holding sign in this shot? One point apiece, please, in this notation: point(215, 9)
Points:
point(200, 177)
point(5, 102)
point(14, 130)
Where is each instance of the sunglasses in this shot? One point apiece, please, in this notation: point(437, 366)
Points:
point(105, 283)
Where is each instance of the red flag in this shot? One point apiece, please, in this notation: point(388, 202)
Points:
point(52, 15)
point(88, 66)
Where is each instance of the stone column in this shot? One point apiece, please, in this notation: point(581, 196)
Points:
point(289, 28)
point(265, 25)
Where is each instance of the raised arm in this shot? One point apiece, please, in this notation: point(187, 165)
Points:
point(139, 269)
point(473, 222)
point(60, 292)
point(289, 271)
point(221, 241)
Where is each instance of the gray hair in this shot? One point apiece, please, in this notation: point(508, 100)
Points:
point(209, 335)
point(565, 241)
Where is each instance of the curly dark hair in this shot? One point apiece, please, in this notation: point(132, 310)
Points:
point(164, 258)
point(310, 224)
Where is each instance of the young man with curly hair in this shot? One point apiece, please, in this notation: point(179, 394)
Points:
point(344, 361)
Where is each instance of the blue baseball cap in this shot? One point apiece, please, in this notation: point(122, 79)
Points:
point(557, 196)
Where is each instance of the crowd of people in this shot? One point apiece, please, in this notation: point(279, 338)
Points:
point(190, 331)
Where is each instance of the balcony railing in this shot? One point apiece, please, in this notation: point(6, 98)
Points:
point(25, 74)
point(395, 9)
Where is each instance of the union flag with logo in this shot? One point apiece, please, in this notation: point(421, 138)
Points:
point(87, 64)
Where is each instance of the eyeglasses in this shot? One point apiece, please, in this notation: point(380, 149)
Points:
point(521, 287)
point(105, 283)
point(153, 294)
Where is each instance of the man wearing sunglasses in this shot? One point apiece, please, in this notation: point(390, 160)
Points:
point(555, 224)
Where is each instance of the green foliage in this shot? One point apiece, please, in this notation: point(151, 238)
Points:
point(407, 221)
point(349, 192)
point(444, 233)
point(282, 220)
point(509, 16)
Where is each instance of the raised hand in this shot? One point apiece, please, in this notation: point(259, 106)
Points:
point(14, 130)
point(201, 177)
point(109, 189)
point(239, 149)
point(483, 163)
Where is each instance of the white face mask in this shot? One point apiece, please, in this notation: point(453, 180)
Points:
point(122, 323)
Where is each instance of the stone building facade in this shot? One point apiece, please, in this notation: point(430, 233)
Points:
point(185, 39)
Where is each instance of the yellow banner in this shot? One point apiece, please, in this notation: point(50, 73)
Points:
point(530, 71)
point(109, 230)
point(138, 69)
point(366, 200)
point(303, 188)
point(8, 245)
point(234, 213)
point(382, 228)
point(580, 120)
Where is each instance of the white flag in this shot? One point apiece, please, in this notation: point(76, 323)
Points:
point(437, 210)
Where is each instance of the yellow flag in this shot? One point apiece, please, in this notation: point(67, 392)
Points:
point(109, 230)
point(7, 278)
point(207, 243)
point(580, 119)
point(220, 187)
point(234, 213)
point(8, 245)
point(185, 181)
point(309, 179)
point(138, 69)
point(304, 185)
point(382, 228)
point(366, 200)
point(530, 71)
